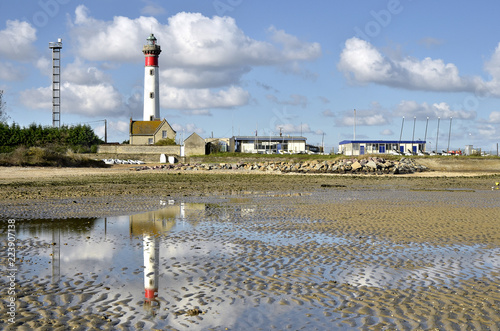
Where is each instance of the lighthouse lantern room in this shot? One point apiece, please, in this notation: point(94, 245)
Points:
point(151, 80)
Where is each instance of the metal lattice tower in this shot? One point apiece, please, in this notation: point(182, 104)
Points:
point(56, 82)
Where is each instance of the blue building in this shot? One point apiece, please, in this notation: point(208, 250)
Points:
point(361, 147)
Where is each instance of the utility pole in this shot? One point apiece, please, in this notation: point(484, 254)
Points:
point(449, 136)
point(413, 136)
point(437, 135)
point(425, 135)
point(323, 144)
point(401, 134)
point(354, 138)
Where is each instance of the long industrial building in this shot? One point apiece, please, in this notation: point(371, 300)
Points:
point(268, 144)
point(361, 147)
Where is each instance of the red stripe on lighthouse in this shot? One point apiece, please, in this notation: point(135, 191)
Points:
point(151, 61)
point(151, 293)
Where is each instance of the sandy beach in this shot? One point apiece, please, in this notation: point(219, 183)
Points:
point(241, 251)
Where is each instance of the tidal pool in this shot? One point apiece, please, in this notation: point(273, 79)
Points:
point(240, 264)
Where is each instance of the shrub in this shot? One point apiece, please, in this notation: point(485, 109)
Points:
point(166, 142)
point(37, 156)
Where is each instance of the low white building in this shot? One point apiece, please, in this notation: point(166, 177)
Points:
point(361, 147)
point(267, 144)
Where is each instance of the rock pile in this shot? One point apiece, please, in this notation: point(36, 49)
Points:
point(373, 165)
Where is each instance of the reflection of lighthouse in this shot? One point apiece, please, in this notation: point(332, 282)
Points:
point(153, 225)
point(151, 80)
point(151, 263)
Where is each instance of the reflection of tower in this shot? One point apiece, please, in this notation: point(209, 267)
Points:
point(182, 213)
point(56, 255)
point(151, 80)
point(151, 263)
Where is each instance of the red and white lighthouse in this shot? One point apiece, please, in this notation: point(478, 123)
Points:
point(151, 80)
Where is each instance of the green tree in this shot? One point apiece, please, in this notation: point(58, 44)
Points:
point(15, 137)
point(82, 135)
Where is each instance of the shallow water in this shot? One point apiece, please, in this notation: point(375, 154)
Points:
point(240, 265)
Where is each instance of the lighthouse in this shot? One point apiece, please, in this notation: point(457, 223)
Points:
point(151, 80)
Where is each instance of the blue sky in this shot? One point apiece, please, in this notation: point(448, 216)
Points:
point(231, 67)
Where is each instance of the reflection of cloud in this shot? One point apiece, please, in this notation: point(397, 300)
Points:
point(195, 261)
point(90, 251)
point(469, 263)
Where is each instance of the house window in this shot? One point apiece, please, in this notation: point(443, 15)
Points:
point(150, 141)
point(151, 72)
point(164, 134)
point(152, 95)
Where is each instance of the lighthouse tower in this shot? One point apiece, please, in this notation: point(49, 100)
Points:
point(151, 80)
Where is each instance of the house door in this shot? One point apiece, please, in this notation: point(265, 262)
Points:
point(414, 148)
point(362, 150)
point(381, 149)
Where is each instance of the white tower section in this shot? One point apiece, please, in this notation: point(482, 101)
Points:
point(151, 80)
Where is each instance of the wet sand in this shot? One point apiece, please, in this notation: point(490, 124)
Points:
point(276, 252)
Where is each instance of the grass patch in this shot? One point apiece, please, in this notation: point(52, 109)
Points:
point(46, 157)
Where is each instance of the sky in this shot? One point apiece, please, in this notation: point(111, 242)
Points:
point(327, 70)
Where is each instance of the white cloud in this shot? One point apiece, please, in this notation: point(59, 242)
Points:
point(119, 126)
point(89, 100)
point(324, 99)
point(197, 112)
point(120, 40)
point(9, 72)
point(202, 98)
point(17, 41)
point(205, 78)
point(361, 62)
point(387, 132)
point(201, 65)
point(292, 129)
point(488, 132)
point(38, 98)
point(198, 52)
point(188, 129)
point(293, 48)
point(492, 67)
point(328, 113)
point(494, 117)
point(430, 42)
point(83, 74)
point(424, 110)
point(152, 9)
point(295, 100)
point(45, 66)
point(369, 117)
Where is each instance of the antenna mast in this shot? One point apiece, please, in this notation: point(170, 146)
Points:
point(56, 82)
